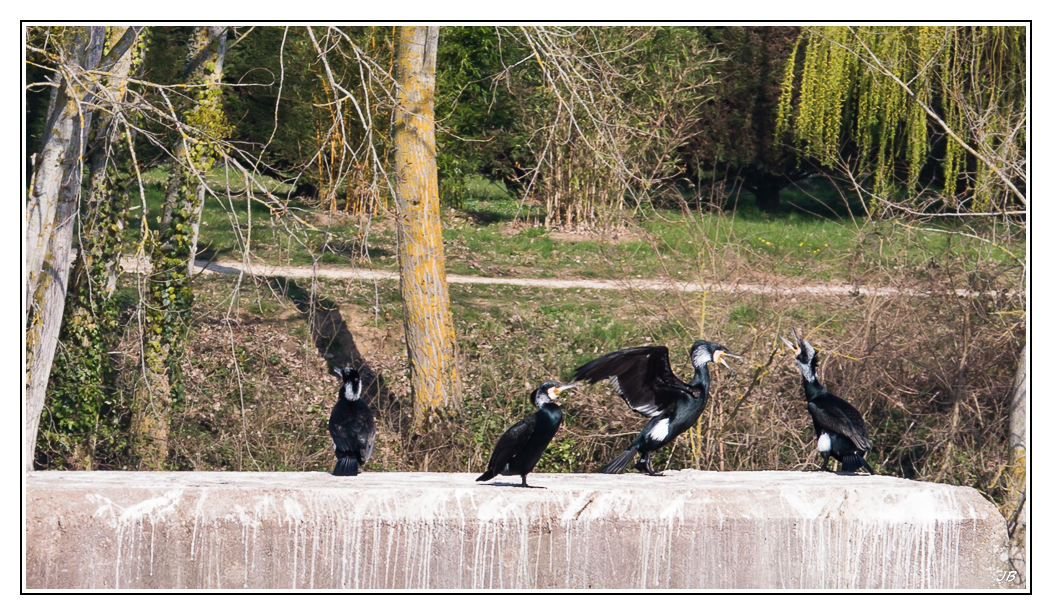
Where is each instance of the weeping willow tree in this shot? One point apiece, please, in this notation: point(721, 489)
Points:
point(906, 98)
point(910, 100)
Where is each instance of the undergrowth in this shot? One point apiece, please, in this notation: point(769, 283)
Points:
point(930, 372)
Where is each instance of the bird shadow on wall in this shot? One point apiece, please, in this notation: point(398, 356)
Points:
point(335, 343)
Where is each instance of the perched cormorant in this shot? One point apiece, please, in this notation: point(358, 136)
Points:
point(521, 447)
point(838, 425)
point(351, 426)
point(644, 379)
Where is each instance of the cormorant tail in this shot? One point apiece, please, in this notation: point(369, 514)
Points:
point(854, 461)
point(346, 466)
point(621, 462)
point(488, 474)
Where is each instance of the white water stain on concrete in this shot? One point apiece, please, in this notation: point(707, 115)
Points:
point(128, 522)
point(686, 530)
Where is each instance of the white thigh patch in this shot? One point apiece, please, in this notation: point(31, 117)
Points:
point(660, 431)
point(823, 443)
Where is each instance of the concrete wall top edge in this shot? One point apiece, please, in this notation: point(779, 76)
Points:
point(806, 494)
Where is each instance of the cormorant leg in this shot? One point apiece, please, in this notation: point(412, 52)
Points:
point(643, 465)
point(825, 463)
point(529, 486)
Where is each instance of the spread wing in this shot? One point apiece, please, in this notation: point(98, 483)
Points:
point(834, 414)
point(643, 377)
point(511, 443)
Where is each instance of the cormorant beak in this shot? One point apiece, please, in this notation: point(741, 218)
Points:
point(720, 357)
point(799, 342)
point(555, 391)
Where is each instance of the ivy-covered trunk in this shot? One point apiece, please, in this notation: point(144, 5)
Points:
point(421, 260)
point(50, 213)
point(81, 412)
point(166, 317)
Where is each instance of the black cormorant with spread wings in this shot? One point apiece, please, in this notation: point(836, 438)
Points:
point(839, 427)
point(644, 379)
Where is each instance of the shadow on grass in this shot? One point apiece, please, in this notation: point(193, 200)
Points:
point(208, 254)
point(352, 251)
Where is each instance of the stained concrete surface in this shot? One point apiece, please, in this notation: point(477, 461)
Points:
point(685, 530)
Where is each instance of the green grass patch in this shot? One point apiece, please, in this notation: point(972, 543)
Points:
point(501, 236)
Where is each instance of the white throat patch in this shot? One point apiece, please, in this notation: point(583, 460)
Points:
point(805, 371)
point(701, 357)
point(350, 393)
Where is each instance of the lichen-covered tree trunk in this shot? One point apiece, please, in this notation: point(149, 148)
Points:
point(170, 297)
point(52, 204)
point(421, 260)
point(82, 381)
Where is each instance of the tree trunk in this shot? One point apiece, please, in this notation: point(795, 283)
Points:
point(51, 209)
point(425, 298)
point(170, 296)
point(83, 379)
point(768, 197)
point(1017, 504)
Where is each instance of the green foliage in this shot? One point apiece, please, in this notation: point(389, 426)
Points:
point(480, 119)
point(734, 130)
point(973, 77)
point(282, 98)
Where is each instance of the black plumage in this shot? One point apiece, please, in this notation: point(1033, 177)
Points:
point(644, 379)
point(520, 448)
point(351, 425)
point(839, 428)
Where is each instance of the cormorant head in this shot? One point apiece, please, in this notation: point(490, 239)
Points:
point(351, 389)
point(702, 353)
point(806, 357)
point(547, 392)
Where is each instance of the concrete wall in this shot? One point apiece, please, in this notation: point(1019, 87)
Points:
point(686, 530)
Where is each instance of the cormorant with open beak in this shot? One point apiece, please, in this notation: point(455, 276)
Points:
point(644, 379)
point(521, 447)
point(351, 425)
point(839, 427)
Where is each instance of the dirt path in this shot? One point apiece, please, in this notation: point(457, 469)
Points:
point(227, 267)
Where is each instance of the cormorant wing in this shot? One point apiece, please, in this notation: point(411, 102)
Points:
point(834, 414)
point(511, 443)
point(342, 437)
point(643, 377)
point(356, 431)
point(366, 432)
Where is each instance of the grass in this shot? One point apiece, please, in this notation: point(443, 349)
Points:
point(504, 237)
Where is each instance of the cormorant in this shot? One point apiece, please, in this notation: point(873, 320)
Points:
point(644, 379)
point(839, 427)
point(351, 425)
point(521, 447)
